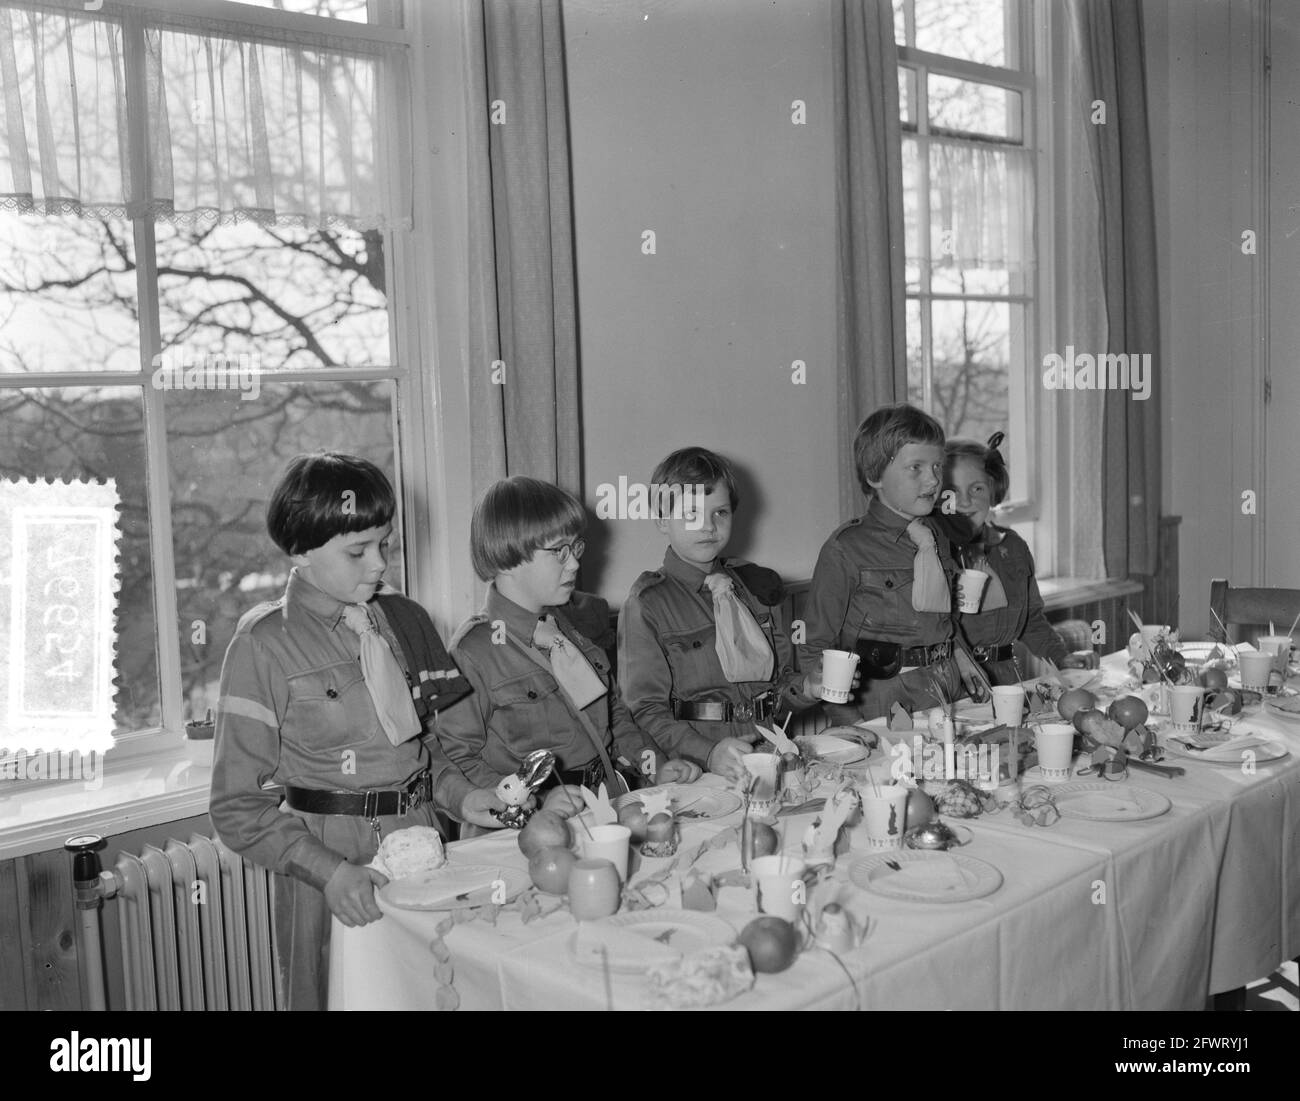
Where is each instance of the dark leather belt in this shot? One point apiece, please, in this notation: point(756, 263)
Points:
point(882, 660)
point(363, 804)
point(591, 775)
point(993, 653)
point(723, 711)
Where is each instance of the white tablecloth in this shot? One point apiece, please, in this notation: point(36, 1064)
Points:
point(1149, 914)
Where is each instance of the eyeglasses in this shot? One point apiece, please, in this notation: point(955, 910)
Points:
point(565, 551)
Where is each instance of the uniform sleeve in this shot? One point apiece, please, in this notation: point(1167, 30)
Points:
point(647, 683)
point(828, 604)
point(788, 680)
point(1039, 635)
point(630, 741)
point(253, 699)
point(462, 732)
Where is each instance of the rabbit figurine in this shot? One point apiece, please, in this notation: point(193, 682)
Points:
point(516, 788)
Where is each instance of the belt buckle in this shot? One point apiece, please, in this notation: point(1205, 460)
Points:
point(743, 712)
point(370, 805)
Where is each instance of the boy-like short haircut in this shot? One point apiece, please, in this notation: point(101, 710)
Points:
point(988, 456)
point(693, 469)
point(325, 494)
point(885, 433)
point(515, 518)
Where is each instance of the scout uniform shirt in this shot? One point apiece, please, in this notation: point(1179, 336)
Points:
point(518, 707)
point(862, 589)
point(667, 653)
point(1022, 619)
point(294, 709)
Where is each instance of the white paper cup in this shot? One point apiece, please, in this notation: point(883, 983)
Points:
point(972, 584)
point(1257, 669)
point(884, 816)
point(1055, 745)
point(1185, 701)
point(838, 667)
point(1008, 704)
point(1280, 647)
point(778, 886)
point(607, 843)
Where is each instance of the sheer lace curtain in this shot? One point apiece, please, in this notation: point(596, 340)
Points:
point(239, 125)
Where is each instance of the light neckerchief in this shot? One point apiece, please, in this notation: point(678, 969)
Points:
point(743, 649)
point(930, 591)
point(572, 672)
point(385, 681)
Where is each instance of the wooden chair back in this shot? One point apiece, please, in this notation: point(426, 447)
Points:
point(1247, 612)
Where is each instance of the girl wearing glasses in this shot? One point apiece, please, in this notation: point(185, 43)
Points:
point(539, 680)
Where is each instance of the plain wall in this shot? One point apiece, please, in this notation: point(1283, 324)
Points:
point(1209, 145)
point(681, 124)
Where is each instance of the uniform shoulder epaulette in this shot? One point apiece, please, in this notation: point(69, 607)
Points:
point(647, 580)
point(847, 526)
point(258, 614)
point(766, 585)
point(465, 628)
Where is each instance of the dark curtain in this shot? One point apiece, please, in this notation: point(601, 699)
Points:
point(1110, 33)
point(870, 316)
point(525, 413)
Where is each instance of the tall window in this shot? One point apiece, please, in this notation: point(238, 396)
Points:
point(967, 101)
point(187, 338)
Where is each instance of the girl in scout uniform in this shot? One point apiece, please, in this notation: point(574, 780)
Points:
point(1012, 608)
point(539, 682)
point(883, 584)
point(331, 692)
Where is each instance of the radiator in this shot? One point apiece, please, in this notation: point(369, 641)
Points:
point(197, 930)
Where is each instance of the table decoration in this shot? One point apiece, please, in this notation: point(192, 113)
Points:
point(1036, 806)
point(516, 789)
point(827, 837)
point(690, 801)
point(707, 977)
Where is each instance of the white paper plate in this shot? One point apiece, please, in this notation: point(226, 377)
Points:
point(1291, 711)
point(833, 750)
point(1272, 750)
point(1090, 679)
point(924, 876)
point(638, 940)
point(1108, 801)
point(455, 887)
point(693, 802)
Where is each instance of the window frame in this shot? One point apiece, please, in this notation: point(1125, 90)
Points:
point(1032, 507)
point(407, 250)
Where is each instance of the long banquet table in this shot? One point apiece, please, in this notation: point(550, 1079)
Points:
point(1151, 914)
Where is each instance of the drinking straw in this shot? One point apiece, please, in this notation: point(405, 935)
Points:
point(1294, 623)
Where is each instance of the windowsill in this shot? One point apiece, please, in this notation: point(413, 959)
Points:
point(169, 785)
point(1072, 592)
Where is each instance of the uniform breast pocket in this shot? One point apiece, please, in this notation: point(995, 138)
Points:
point(883, 602)
point(693, 658)
point(329, 708)
point(523, 699)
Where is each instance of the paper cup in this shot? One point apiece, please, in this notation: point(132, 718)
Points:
point(607, 843)
point(1257, 669)
point(766, 769)
point(1185, 702)
point(1055, 745)
point(778, 886)
point(1280, 647)
point(838, 667)
point(593, 889)
point(971, 587)
point(1008, 704)
point(884, 817)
